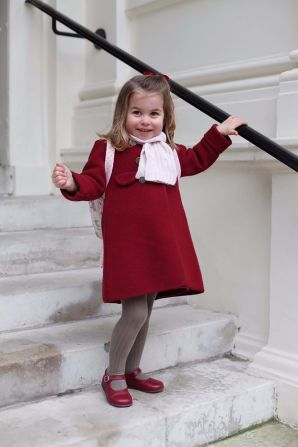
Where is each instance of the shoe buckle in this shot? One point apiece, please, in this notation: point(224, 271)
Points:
point(106, 378)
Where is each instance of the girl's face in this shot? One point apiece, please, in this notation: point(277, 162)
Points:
point(145, 115)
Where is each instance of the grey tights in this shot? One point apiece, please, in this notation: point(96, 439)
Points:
point(129, 336)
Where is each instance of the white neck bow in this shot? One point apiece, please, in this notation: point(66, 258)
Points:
point(158, 161)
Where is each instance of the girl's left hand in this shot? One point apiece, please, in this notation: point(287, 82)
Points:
point(228, 126)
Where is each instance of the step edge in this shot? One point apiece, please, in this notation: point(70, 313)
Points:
point(78, 323)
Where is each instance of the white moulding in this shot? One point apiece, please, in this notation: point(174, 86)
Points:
point(253, 73)
point(277, 364)
point(98, 90)
point(247, 68)
point(250, 156)
point(6, 179)
point(240, 155)
point(246, 345)
point(138, 7)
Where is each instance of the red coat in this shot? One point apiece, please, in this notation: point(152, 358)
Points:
point(147, 243)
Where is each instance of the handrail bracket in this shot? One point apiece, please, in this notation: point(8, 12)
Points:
point(100, 31)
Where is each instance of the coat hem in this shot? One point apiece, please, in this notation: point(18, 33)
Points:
point(169, 293)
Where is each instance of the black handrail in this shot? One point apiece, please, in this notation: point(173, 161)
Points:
point(280, 153)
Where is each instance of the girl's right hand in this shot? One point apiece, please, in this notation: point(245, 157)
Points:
point(62, 178)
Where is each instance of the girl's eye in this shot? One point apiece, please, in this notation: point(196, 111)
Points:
point(155, 113)
point(136, 113)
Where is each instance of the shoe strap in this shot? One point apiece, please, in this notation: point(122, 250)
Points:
point(134, 373)
point(109, 378)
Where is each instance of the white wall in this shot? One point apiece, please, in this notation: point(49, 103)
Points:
point(31, 93)
point(229, 212)
point(104, 74)
point(41, 75)
point(203, 32)
point(70, 62)
point(4, 155)
point(6, 171)
point(279, 358)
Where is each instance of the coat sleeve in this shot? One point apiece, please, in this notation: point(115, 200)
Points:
point(91, 182)
point(203, 154)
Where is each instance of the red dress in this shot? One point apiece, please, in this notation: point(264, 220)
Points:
point(147, 243)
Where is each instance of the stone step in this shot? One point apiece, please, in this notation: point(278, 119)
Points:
point(30, 213)
point(38, 251)
point(201, 403)
point(29, 301)
point(52, 360)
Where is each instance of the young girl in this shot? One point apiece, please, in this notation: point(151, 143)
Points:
point(148, 251)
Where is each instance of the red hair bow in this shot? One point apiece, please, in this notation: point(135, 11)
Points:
point(150, 73)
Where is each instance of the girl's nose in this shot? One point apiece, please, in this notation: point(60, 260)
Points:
point(145, 119)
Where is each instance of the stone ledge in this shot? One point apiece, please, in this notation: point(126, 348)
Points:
point(27, 252)
point(201, 403)
point(64, 357)
point(249, 156)
point(28, 213)
point(29, 301)
point(242, 154)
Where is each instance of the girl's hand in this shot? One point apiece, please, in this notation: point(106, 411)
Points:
point(228, 127)
point(62, 178)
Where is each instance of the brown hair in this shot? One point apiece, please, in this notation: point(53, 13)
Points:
point(154, 83)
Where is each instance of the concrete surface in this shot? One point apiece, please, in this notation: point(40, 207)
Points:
point(269, 435)
point(201, 403)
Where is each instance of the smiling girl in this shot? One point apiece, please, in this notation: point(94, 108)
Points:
point(148, 251)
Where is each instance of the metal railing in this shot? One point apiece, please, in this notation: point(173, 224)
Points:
point(256, 138)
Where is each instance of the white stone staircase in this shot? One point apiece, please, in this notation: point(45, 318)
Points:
point(54, 341)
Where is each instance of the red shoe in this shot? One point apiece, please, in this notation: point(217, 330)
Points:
point(120, 398)
point(147, 385)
